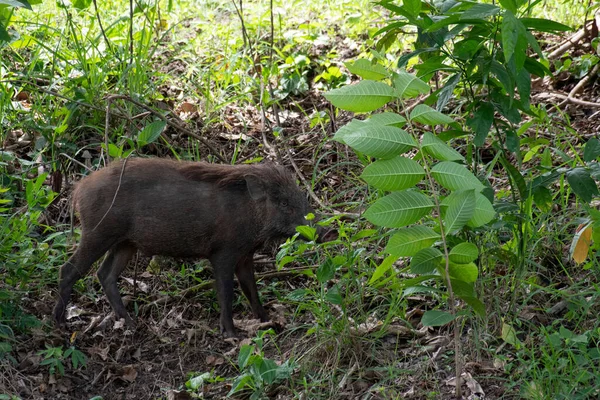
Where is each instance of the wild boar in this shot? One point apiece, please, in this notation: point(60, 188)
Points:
point(181, 209)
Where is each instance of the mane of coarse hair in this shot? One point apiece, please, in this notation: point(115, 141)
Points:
point(228, 175)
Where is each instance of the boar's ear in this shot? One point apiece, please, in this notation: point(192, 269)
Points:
point(255, 187)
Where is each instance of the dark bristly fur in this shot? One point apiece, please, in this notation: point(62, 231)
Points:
point(182, 209)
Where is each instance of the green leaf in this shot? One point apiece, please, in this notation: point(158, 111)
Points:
point(268, 370)
point(4, 36)
point(439, 149)
point(403, 60)
point(367, 70)
point(453, 176)
point(428, 116)
point(514, 39)
point(592, 150)
point(333, 295)
point(244, 355)
point(326, 271)
point(81, 4)
point(436, 318)
point(475, 304)
point(463, 253)
point(413, 7)
point(484, 212)
point(582, 183)
point(509, 335)
point(387, 118)
point(510, 34)
point(399, 209)
point(397, 173)
point(364, 96)
point(350, 127)
point(445, 93)
point(382, 268)
point(16, 3)
point(480, 11)
point(524, 87)
point(481, 123)
point(544, 25)
point(509, 5)
point(407, 242)
point(379, 141)
point(464, 272)
point(426, 261)
point(409, 86)
point(241, 383)
point(150, 132)
point(460, 210)
point(308, 232)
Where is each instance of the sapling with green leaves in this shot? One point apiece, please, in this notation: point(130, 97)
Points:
point(431, 196)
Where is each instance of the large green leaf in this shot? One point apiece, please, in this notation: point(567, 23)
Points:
point(453, 176)
point(591, 150)
point(436, 318)
point(407, 242)
point(480, 11)
point(464, 253)
point(382, 119)
point(367, 70)
point(364, 96)
point(481, 123)
point(439, 149)
point(399, 209)
point(428, 116)
point(582, 184)
point(409, 86)
point(544, 25)
point(464, 272)
point(350, 127)
point(426, 261)
point(387, 118)
point(379, 141)
point(460, 210)
point(394, 174)
point(484, 212)
point(514, 39)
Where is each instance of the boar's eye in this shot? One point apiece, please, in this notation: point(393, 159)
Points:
point(284, 203)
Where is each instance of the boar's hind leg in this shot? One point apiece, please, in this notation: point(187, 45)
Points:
point(108, 273)
point(90, 249)
point(245, 273)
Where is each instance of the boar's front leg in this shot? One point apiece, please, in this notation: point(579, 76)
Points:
point(224, 264)
point(108, 274)
point(244, 271)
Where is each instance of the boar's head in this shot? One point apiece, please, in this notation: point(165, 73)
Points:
point(283, 206)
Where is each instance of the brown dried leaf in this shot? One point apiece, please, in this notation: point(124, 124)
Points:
point(129, 373)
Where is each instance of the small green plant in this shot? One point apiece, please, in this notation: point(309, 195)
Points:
point(197, 382)
point(55, 357)
point(259, 373)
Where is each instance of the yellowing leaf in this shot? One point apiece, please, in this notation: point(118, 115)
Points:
point(581, 242)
